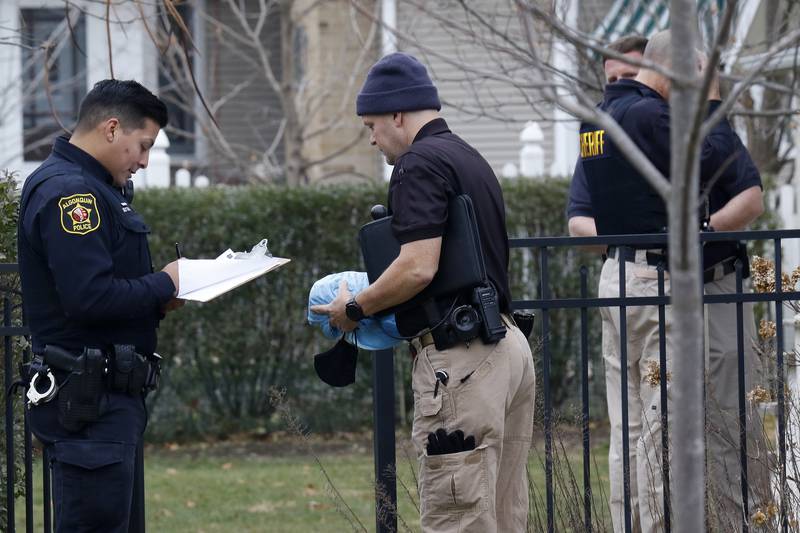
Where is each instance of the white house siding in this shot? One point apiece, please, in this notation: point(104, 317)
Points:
point(489, 114)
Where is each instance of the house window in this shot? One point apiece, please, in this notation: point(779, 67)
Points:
point(54, 79)
point(176, 90)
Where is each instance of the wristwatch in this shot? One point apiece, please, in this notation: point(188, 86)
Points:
point(354, 311)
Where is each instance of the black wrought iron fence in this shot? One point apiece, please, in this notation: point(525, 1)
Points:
point(544, 304)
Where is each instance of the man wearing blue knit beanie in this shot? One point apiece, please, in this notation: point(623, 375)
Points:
point(473, 399)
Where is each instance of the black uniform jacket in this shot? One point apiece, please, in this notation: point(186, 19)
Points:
point(85, 266)
point(606, 186)
point(736, 177)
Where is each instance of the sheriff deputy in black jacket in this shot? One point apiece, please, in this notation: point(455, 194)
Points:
point(609, 194)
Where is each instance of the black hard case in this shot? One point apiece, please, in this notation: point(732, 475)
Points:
point(461, 264)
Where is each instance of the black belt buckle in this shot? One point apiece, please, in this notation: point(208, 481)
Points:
point(654, 259)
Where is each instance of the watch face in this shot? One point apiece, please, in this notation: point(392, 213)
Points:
point(353, 311)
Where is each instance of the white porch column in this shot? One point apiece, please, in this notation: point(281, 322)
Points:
point(157, 173)
point(11, 144)
point(566, 127)
point(531, 156)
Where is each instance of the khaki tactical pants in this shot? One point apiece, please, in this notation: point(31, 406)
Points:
point(644, 395)
point(490, 394)
point(644, 407)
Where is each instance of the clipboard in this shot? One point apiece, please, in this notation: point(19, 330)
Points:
point(202, 280)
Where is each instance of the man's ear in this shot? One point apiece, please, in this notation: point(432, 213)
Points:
point(110, 128)
point(397, 118)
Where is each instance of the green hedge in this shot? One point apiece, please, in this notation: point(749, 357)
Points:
point(222, 357)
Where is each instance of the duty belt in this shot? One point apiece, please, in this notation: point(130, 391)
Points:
point(628, 254)
point(119, 370)
point(713, 273)
point(417, 344)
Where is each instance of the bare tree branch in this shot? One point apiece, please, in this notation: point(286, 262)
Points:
point(788, 40)
point(108, 39)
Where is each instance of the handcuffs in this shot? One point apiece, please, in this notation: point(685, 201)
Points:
point(35, 397)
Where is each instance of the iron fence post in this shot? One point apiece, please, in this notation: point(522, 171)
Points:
point(9, 369)
point(384, 441)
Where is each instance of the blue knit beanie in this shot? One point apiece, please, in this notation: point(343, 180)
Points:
point(398, 82)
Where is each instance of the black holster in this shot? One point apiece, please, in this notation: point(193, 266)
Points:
point(80, 394)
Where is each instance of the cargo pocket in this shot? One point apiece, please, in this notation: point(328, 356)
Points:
point(93, 479)
point(89, 455)
point(432, 405)
point(454, 483)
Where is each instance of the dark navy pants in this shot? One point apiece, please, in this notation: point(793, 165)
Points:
point(93, 469)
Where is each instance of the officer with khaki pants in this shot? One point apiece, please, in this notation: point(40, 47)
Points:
point(477, 390)
point(608, 197)
point(724, 496)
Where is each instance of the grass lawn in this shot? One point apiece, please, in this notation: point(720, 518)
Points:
point(278, 487)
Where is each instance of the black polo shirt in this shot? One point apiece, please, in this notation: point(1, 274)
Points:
point(436, 167)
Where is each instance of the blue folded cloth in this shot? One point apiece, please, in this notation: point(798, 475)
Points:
point(373, 333)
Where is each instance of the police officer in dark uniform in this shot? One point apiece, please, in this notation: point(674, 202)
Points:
point(608, 192)
point(93, 303)
point(484, 389)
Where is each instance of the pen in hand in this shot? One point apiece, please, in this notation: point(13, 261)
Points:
point(178, 249)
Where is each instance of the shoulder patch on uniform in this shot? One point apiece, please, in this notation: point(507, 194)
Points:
point(79, 213)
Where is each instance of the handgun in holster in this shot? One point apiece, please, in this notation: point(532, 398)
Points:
point(80, 393)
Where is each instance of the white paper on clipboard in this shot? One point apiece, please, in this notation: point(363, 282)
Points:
point(202, 280)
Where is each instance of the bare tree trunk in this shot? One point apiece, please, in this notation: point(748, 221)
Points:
point(686, 414)
point(292, 140)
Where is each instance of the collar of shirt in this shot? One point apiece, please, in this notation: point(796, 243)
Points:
point(72, 153)
point(434, 127)
point(627, 86)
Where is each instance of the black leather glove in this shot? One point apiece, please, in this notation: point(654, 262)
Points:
point(442, 443)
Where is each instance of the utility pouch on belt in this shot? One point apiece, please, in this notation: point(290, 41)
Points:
point(79, 395)
point(129, 371)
